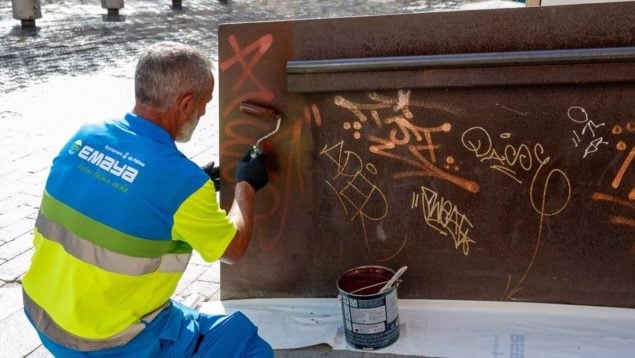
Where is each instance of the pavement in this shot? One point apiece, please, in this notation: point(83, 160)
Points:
point(77, 65)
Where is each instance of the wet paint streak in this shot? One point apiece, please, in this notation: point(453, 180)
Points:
point(280, 186)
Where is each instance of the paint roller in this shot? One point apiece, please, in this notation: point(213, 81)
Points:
point(264, 112)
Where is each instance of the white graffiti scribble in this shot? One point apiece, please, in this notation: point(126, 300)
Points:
point(579, 116)
point(509, 160)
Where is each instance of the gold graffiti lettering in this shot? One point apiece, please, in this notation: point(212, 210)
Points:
point(361, 199)
point(444, 217)
point(396, 127)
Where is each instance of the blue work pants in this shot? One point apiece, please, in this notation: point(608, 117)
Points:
point(179, 331)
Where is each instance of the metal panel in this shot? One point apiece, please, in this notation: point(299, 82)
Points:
point(499, 180)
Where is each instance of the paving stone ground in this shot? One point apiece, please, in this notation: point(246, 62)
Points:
point(76, 66)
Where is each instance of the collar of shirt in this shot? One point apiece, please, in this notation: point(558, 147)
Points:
point(144, 127)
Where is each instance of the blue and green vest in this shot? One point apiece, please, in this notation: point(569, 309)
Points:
point(121, 212)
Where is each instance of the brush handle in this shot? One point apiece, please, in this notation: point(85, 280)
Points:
point(393, 279)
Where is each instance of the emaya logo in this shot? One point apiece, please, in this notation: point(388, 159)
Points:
point(77, 145)
point(103, 161)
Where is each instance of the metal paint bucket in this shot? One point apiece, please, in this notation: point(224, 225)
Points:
point(371, 319)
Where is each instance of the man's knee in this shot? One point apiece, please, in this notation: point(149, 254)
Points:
point(232, 335)
point(235, 322)
point(258, 348)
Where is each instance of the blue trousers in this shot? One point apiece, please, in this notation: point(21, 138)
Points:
point(179, 331)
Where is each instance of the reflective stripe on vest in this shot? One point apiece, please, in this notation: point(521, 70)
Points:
point(48, 327)
point(109, 260)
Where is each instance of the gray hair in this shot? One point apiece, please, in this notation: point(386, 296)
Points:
point(167, 69)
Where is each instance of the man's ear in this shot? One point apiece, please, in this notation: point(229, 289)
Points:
point(186, 105)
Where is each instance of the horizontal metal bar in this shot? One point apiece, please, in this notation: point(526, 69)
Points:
point(466, 60)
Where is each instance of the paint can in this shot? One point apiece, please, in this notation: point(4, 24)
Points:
point(371, 318)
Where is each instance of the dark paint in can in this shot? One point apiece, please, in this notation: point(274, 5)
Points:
point(371, 319)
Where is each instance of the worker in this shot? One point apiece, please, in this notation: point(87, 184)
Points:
point(121, 213)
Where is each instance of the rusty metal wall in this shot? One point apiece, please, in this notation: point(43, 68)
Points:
point(503, 180)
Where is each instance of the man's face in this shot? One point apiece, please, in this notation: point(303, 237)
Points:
point(186, 131)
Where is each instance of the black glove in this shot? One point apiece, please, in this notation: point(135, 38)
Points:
point(214, 174)
point(252, 170)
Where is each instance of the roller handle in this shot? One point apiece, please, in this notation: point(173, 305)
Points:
point(255, 151)
point(264, 112)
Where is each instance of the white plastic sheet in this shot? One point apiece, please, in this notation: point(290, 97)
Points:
point(444, 328)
